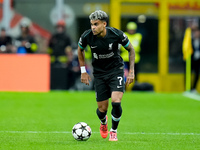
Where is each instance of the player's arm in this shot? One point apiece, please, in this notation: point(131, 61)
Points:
point(85, 78)
point(131, 74)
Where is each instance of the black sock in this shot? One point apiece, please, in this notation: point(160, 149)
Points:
point(102, 116)
point(116, 114)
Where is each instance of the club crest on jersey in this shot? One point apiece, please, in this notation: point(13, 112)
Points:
point(95, 55)
point(110, 46)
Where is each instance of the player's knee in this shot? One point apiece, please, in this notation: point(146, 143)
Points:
point(116, 97)
point(116, 110)
point(103, 108)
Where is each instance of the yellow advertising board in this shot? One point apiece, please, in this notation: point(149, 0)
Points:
point(176, 8)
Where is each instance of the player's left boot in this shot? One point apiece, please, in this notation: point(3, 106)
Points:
point(104, 129)
point(113, 136)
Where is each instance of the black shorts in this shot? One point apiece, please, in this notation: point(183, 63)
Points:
point(106, 85)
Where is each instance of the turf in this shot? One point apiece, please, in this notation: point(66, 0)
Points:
point(150, 121)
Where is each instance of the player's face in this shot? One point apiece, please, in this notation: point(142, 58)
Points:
point(97, 26)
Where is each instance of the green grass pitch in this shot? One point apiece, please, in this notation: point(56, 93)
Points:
point(150, 121)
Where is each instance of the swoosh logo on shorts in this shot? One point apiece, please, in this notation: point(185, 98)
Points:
point(119, 87)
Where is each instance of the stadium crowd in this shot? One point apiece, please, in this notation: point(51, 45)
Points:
point(60, 48)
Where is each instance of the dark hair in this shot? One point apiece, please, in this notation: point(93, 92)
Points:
point(98, 15)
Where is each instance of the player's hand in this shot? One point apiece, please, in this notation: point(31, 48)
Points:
point(130, 77)
point(85, 78)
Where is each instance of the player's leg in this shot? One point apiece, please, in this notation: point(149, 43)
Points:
point(116, 114)
point(117, 88)
point(101, 113)
point(102, 96)
point(116, 109)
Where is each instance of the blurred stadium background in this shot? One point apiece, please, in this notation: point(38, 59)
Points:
point(31, 117)
point(161, 22)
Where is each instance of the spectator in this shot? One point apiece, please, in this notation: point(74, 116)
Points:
point(5, 42)
point(25, 43)
point(73, 69)
point(195, 56)
point(63, 60)
point(135, 39)
point(60, 44)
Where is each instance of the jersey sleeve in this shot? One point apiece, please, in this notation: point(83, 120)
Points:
point(83, 40)
point(124, 41)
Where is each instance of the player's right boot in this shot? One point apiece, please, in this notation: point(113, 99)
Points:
point(104, 129)
point(113, 136)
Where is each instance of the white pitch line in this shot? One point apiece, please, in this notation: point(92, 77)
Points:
point(162, 133)
point(67, 132)
point(192, 96)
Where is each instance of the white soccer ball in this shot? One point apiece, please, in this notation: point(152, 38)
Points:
point(81, 131)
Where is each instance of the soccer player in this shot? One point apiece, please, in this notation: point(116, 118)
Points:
point(108, 68)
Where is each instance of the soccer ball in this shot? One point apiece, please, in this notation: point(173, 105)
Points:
point(81, 131)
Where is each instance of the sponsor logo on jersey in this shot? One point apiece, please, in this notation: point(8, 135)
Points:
point(106, 55)
point(103, 56)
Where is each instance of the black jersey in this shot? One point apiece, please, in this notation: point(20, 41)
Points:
point(105, 51)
